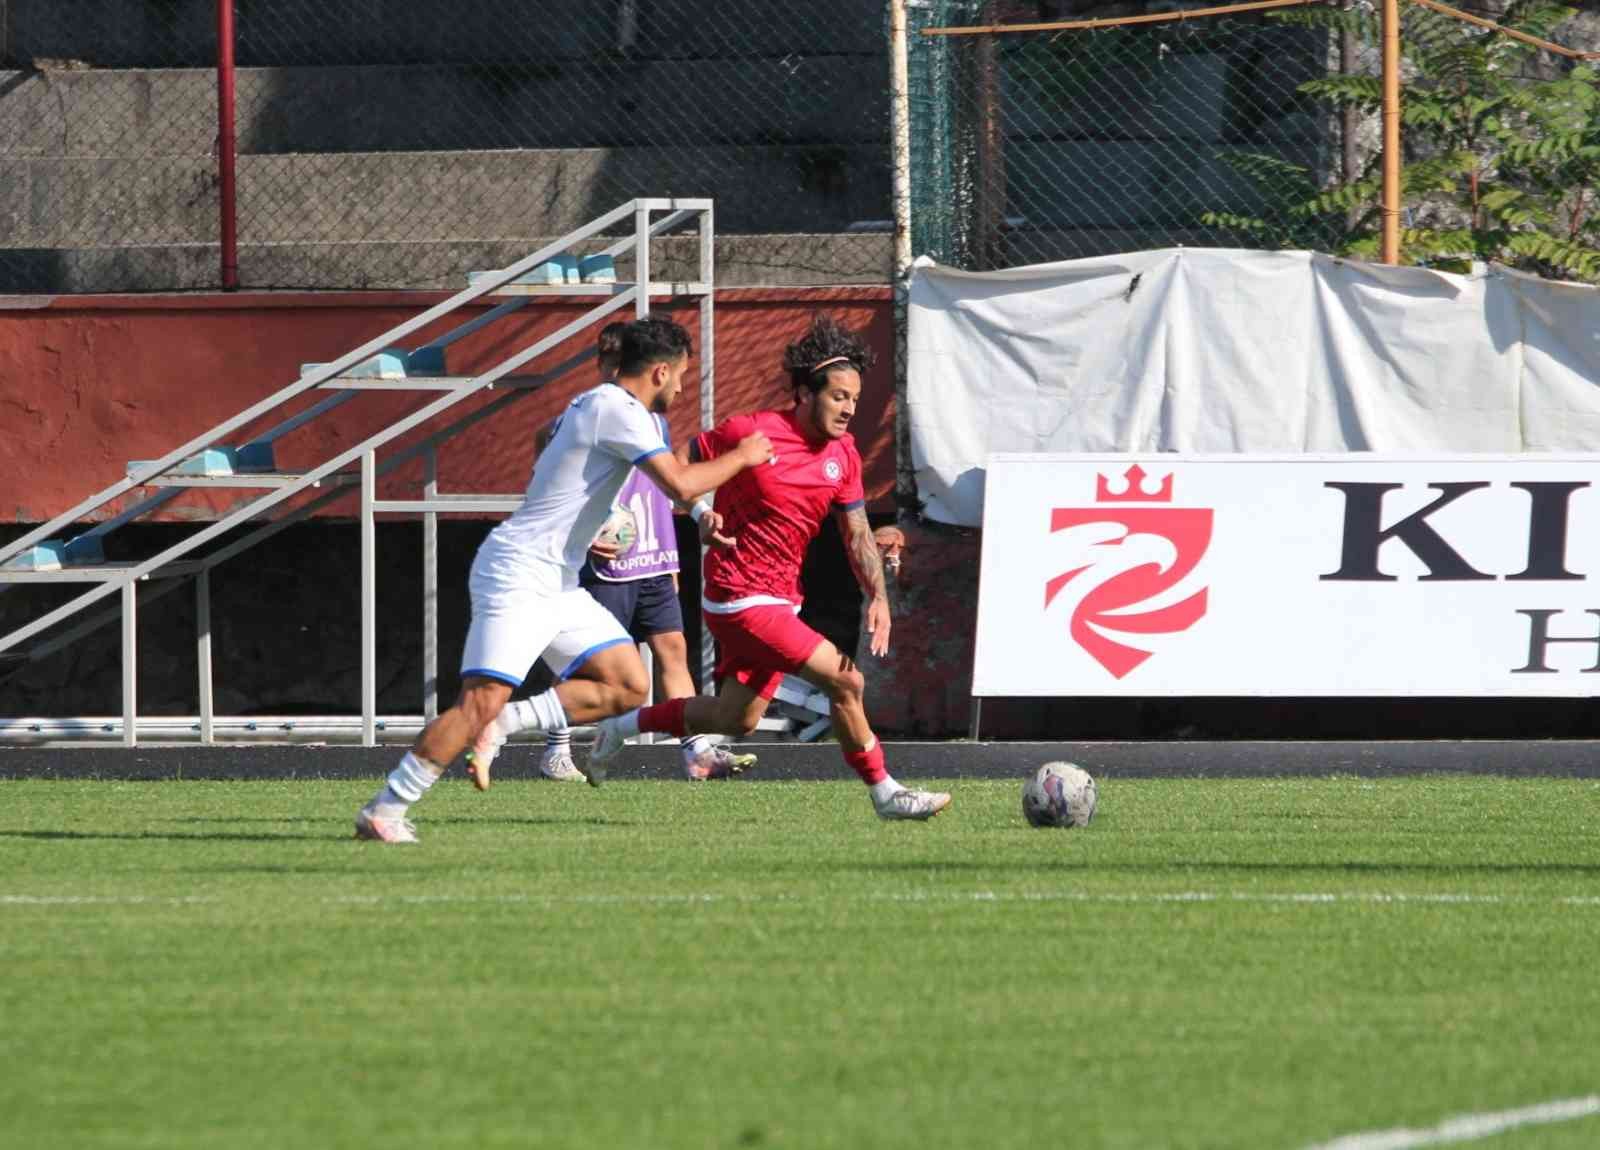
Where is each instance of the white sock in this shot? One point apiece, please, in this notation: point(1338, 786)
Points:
point(696, 745)
point(557, 741)
point(628, 724)
point(884, 788)
point(543, 712)
point(406, 784)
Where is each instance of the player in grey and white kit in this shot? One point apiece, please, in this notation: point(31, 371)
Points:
point(526, 599)
point(639, 585)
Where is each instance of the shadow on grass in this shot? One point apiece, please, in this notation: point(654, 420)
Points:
point(530, 821)
point(157, 836)
point(430, 820)
point(330, 835)
point(1191, 866)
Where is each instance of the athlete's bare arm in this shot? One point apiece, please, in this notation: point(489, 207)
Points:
point(686, 482)
point(862, 549)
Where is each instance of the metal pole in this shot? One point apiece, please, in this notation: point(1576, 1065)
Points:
point(708, 409)
point(1391, 131)
point(641, 261)
point(977, 718)
point(369, 602)
point(430, 589)
point(900, 136)
point(227, 146)
point(202, 622)
point(905, 487)
point(130, 663)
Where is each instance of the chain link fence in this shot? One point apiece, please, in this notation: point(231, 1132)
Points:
point(107, 128)
point(1259, 130)
point(399, 143)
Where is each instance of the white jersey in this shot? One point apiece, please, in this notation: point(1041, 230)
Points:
point(603, 434)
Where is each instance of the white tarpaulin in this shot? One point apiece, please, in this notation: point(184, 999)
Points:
point(1200, 350)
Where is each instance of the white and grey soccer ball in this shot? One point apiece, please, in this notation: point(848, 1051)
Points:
point(619, 530)
point(1059, 795)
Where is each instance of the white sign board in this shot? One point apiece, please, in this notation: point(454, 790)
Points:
point(1290, 575)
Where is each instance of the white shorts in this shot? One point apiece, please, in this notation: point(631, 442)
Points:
point(513, 627)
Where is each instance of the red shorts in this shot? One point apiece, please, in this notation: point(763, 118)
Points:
point(759, 645)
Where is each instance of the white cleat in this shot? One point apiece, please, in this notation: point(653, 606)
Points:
point(558, 766)
point(370, 826)
point(483, 751)
point(909, 804)
point(713, 762)
point(608, 740)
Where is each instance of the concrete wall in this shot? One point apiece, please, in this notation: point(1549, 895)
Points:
point(90, 383)
point(182, 33)
point(439, 126)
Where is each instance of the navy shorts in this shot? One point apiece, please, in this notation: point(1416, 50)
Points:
point(644, 607)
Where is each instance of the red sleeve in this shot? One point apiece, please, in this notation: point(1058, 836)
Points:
point(851, 493)
point(720, 439)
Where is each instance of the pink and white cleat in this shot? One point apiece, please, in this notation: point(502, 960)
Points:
point(370, 826)
point(714, 761)
point(484, 749)
point(557, 766)
point(909, 804)
point(608, 740)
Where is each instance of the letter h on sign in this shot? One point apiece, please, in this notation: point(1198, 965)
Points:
point(1539, 640)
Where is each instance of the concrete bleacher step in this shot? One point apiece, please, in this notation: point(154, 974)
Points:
point(248, 466)
point(215, 462)
point(126, 199)
point(427, 383)
point(94, 572)
point(390, 363)
point(435, 264)
point(55, 554)
point(254, 479)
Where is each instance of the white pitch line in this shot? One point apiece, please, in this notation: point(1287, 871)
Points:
point(101, 900)
point(678, 898)
point(1467, 1127)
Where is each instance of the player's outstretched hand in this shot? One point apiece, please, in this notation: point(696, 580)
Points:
point(604, 552)
point(755, 449)
point(878, 625)
point(711, 531)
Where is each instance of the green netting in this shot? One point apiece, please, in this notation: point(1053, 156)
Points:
point(1259, 130)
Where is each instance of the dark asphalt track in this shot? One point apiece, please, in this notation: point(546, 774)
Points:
point(946, 760)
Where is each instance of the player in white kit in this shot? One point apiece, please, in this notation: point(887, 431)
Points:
point(526, 600)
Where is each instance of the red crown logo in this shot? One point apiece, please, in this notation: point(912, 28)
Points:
point(1136, 490)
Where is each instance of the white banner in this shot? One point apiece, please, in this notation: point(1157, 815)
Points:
point(1231, 351)
point(1290, 575)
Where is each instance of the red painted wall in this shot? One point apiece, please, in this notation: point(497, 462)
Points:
point(90, 382)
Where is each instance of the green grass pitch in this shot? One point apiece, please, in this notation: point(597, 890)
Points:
point(1220, 963)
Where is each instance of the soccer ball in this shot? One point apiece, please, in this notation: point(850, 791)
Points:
point(1059, 795)
point(619, 530)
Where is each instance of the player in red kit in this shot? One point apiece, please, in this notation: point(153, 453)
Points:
point(752, 589)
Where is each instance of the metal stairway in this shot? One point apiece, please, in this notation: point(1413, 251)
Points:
point(46, 555)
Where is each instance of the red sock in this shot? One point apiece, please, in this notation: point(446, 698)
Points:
point(665, 718)
point(868, 764)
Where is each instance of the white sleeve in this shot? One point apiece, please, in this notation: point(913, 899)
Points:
point(626, 429)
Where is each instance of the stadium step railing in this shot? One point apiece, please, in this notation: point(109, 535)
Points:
point(51, 553)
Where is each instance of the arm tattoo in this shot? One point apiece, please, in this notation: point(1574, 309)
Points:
point(863, 551)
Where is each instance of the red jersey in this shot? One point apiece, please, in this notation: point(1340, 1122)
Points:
point(775, 509)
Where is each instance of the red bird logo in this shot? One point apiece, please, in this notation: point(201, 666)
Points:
point(1138, 556)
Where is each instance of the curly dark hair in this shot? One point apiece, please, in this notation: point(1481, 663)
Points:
point(647, 341)
point(608, 347)
point(827, 346)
